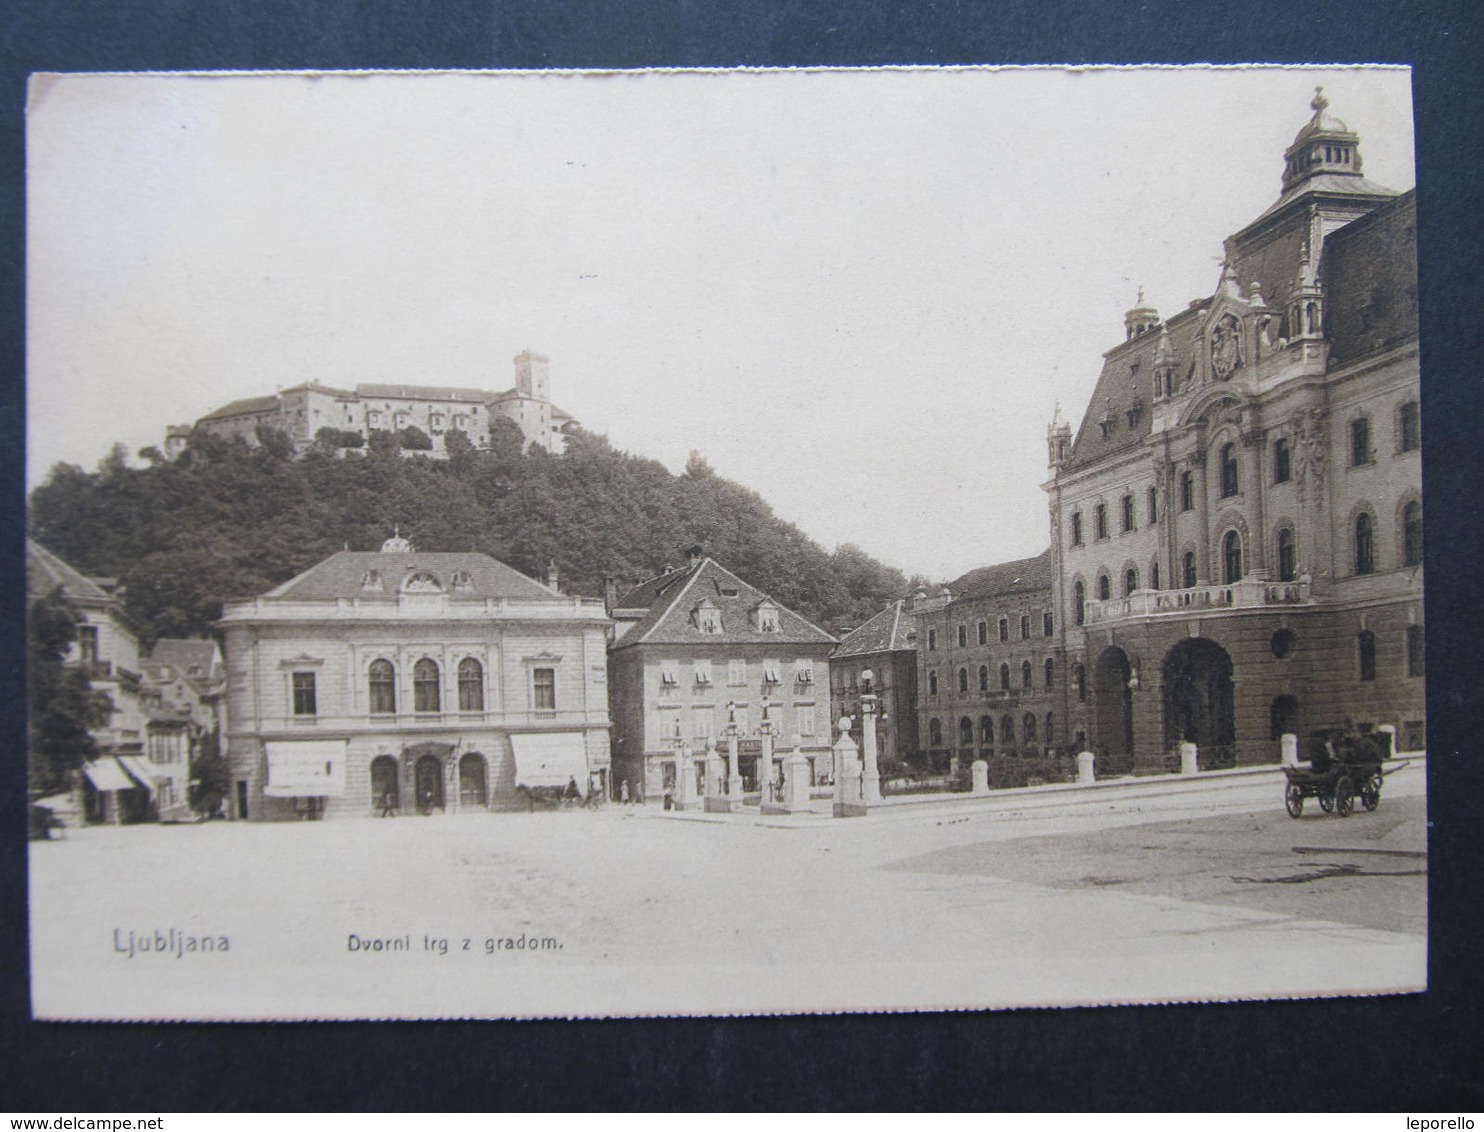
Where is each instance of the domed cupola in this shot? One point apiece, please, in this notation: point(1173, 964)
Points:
point(1141, 319)
point(1324, 145)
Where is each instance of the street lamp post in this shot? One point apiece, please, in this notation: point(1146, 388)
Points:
point(870, 774)
point(734, 772)
point(765, 757)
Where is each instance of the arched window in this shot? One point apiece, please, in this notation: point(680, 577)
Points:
point(1229, 484)
point(471, 685)
point(1004, 628)
point(986, 730)
point(1007, 731)
point(965, 732)
point(1025, 674)
point(983, 633)
point(963, 636)
point(1188, 569)
point(935, 733)
point(1004, 677)
point(1154, 575)
point(1231, 557)
point(1286, 556)
point(425, 695)
point(1282, 461)
point(1365, 650)
point(1130, 581)
point(1028, 729)
point(1079, 603)
point(963, 679)
point(1412, 534)
point(1079, 675)
point(1365, 545)
point(1050, 736)
point(1105, 589)
point(984, 677)
point(1046, 624)
point(1049, 669)
point(1360, 442)
point(382, 681)
point(1187, 491)
point(932, 683)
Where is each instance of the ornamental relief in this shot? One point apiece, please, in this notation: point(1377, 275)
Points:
point(1311, 455)
point(1226, 347)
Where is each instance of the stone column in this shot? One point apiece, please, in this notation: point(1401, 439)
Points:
point(848, 802)
point(796, 781)
point(1188, 753)
point(765, 768)
point(1086, 764)
point(980, 771)
point(734, 771)
point(870, 774)
point(1289, 745)
point(685, 777)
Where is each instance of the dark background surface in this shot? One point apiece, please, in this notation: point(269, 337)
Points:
point(1414, 1053)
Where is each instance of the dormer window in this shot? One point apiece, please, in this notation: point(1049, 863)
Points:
point(707, 618)
point(462, 580)
point(767, 618)
point(422, 582)
point(371, 580)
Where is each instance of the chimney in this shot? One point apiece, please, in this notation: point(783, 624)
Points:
point(551, 575)
point(610, 592)
point(694, 554)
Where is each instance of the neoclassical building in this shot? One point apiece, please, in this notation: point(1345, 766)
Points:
point(1237, 521)
point(411, 682)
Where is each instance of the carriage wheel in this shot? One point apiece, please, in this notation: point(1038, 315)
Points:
point(1294, 800)
point(1370, 792)
point(1327, 800)
point(1344, 797)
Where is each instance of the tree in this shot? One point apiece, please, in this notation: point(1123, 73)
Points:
point(415, 439)
point(64, 708)
point(211, 777)
point(697, 467)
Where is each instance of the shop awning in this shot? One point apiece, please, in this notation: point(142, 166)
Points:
point(137, 767)
point(105, 774)
point(308, 769)
point(550, 758)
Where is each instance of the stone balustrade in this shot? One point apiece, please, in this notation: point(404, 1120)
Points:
point(1249, 593)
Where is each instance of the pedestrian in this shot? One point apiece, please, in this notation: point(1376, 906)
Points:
point(623, 791)
point(387, 804)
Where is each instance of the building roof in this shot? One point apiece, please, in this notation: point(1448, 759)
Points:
point(423, 393)
point(1024, 575)
point(670, 602)
point(891, 630)
point(345, 575)
point(1370, 281)
point(45, 572)
point(248, 405)
point(194, 659)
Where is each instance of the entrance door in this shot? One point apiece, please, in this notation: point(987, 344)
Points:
point(1283, 717)
point(385, 791)
point(429, 778)
point(1113, 712)
point(472, 793)
point(1199, 704)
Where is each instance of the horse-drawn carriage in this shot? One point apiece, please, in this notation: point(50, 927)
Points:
point(1343, 766)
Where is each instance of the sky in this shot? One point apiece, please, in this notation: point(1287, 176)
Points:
point(860, 293)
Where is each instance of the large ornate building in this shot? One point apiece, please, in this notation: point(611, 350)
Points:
point(885, 647)
point(1237, 522)
point(701, 658)
point(401, 681)
point(302, 411)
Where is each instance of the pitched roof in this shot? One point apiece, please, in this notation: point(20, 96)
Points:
point(1024, 575)
point(268, 404)
point(670, 600)
point(45, 572)
point(422, 393)
point(344, 574)
point(184, 656)
point(891, 630)
point(1370, 281)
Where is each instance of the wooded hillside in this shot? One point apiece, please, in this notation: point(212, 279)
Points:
point(227, 521)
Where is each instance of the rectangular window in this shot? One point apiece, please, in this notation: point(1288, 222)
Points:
point(963, 636)
point(304, 697)
point(984, 632)
point(1100, 521)
point(736, 672)
point(1046, 624)
point(1360, 442)
point(87, 643)
point(1282, 460)
point(1187, 491)
point(771, 669)
point(932, 640)
point(543, 685)
point(669, 673)
point(1153, 505)
point(1410, 427)
point(1128, 513)
point(1004, 628)
point(703, 673)
point(1076, 528)
point(1025, 626)
point(803, 672)
point(701, 722)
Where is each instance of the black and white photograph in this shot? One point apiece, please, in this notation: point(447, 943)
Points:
point(613, 544)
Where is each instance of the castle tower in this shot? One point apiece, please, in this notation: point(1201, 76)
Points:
point(1164, 365)
point(532, 375)
point(1058, 440)
point(1141, 319)
point(1324, 147)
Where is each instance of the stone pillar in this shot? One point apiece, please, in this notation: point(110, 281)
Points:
point(870, 773)
point(1389, 730)
point(1289, 745)
point(980, 771)
point(734, 771)
point(765, 768)
point(796, 781)
point(1188, 753)
point(848, 802)
point(685, 778)
point(1086, 763)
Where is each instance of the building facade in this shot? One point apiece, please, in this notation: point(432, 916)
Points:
point(886, 648)
point(301, 411)
point(1237, 522)
point(395, 682)
point(992, 671)
point(700, 658)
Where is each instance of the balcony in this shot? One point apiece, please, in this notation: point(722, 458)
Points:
point(1249, 593)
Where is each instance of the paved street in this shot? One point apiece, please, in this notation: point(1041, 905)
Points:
point(1149, 892)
